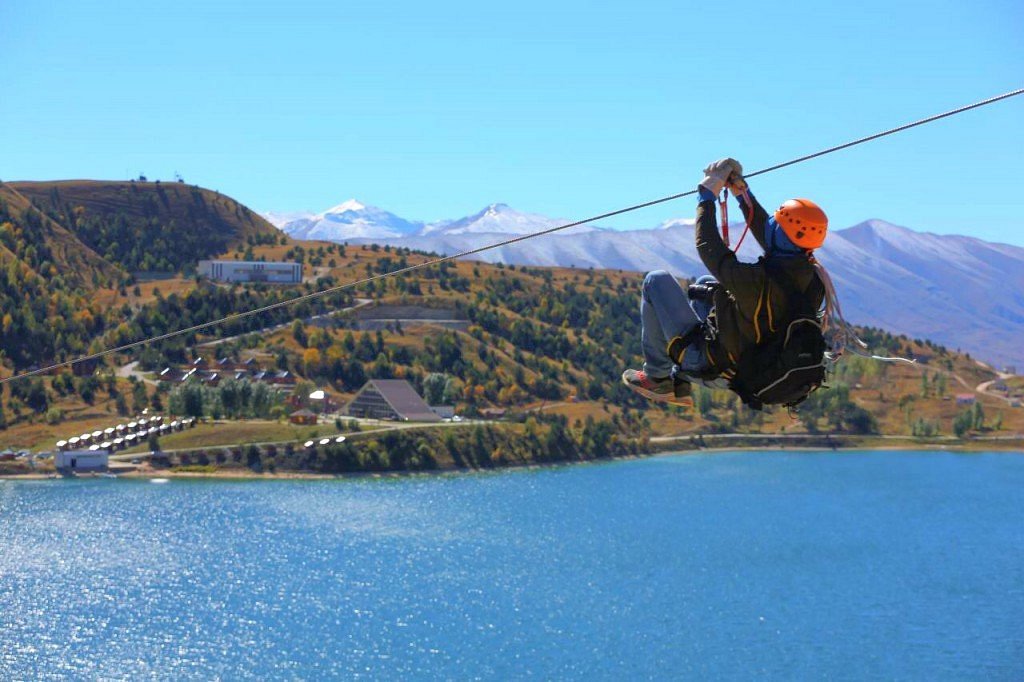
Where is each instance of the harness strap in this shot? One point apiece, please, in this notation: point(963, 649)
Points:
point(678, 344)
point(723, 208)
point(747, 220)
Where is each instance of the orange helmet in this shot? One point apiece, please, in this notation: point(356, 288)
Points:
point(803, 221)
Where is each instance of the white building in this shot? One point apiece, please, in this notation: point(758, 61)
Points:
point(81, 460)
point(251, 271)
point(444, 411)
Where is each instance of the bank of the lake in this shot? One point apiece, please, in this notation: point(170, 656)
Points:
point(481, 447)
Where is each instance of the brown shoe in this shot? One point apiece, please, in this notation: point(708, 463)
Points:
point(665, 390)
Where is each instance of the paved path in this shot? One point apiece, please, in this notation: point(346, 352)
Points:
point(985, 385)
point(982, 388)
point(132, 370)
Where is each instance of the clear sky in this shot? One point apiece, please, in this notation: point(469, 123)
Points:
point(435, 109)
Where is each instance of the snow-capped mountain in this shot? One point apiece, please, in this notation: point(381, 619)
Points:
point(352, 220)
point(281, 218)
point(346, 221)
point(498, 219)
point(958, 291)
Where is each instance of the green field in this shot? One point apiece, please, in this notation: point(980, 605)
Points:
point(237, 433)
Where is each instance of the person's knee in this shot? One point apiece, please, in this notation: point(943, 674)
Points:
point(654, 278)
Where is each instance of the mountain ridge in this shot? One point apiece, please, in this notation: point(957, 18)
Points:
point(955, 289)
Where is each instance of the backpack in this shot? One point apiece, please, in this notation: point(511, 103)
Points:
point(791, 364)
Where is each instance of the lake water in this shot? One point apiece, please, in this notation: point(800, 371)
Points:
point(788, 565)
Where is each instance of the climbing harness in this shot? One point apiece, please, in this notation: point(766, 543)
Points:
point(507, 242)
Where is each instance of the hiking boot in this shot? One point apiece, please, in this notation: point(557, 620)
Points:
point(682, 390)
point(666, 390)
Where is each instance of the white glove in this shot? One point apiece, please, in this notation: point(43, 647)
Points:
point(717, 174)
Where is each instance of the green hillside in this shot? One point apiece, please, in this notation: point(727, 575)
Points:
point(70, 251)
point(46, 277)
point(46, 247)
point(540, 343)
point(149, 226)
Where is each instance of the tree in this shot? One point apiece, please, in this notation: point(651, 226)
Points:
point(962, 423)
point(139, 398)
point(923, 428)
point(299, 332)
point(859, 420)
point(36, 397)
point(192, 400)
point(977, 417)
point(382, 367)
point(311, 361)
point(809, 420)
point(436, 387)
point(87, 389)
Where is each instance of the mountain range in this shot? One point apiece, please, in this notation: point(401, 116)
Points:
point(955, 290)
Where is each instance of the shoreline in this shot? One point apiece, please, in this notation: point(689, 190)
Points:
point(1008, 446)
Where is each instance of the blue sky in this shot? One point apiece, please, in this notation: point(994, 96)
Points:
point(433, 110)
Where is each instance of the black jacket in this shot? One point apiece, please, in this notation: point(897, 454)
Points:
point(751, 305)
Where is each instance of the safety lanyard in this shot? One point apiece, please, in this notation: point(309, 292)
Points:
point(723, 206)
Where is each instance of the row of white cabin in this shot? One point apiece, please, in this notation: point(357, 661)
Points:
point(124, 435)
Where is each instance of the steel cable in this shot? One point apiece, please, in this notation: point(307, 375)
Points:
point(481, 249)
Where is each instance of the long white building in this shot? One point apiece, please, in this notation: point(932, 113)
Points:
point(81, 460)
point(251, 271)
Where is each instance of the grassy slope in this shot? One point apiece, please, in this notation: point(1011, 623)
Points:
point(880, 390)
point(174, 202)
point(77, 263)
point(880, 393)
point(237, 433)
point(146, 226)
point(892, 394)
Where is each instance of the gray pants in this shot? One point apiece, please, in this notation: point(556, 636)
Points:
point(666, 312)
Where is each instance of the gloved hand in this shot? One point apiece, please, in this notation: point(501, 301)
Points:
point(717, 174)
point(736, 184)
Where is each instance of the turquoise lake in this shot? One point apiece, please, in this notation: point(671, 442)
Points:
point(780, 565)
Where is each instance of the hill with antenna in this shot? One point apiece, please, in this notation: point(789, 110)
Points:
point(70, 249)
point(148, 226)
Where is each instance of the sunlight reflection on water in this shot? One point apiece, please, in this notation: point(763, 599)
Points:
point(845, 565)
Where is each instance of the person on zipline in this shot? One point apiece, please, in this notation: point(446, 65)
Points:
point(715, 331)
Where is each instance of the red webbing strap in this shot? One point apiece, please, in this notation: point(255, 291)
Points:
point(723, 207)
point(746, 228)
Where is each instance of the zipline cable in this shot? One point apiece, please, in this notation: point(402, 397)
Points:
point(481, 249)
